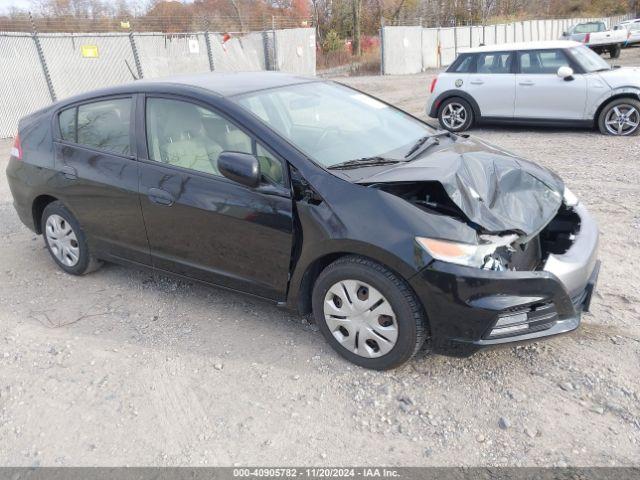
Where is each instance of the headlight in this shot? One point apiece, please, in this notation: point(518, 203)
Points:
point(464, 253)
point(570, 200)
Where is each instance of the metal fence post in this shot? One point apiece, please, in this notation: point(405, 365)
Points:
point(275, 43)
point(207, 42)
point(43, 61)
point(136, 57)
point(455, 40)
point(382, 72)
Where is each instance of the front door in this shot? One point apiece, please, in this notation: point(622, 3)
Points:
point(542, 94)
point(493, 84)
point(199, 223)
point(99, 177)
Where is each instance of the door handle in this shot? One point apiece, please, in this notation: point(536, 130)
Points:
point(69, 172)
point(527, 83)
point(161, 197)
point(476, 82)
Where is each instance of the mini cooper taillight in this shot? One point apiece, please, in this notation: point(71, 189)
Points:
point(587, 37)
point(432, 87)
point(16, 150)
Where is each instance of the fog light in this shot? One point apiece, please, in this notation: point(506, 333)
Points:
point(510, 323)
point(511, 319)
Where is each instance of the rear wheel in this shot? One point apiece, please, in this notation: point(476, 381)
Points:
point(620, 117)
point(614, 51)
point(368, 314)
point(455, 115)
point(66, 241)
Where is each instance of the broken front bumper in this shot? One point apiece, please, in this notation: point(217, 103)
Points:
point(469, 308)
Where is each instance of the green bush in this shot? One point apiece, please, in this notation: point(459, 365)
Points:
point(332, 42)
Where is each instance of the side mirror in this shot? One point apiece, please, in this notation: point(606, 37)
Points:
point(566, 73)
point(242, 168)
point(565, 34)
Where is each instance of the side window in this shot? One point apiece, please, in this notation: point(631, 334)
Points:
point(270, 167)
point(67, 120)
point(542, 62)
point(494, 62)
point(105, 125)
point(464, 65)
point(189, 136)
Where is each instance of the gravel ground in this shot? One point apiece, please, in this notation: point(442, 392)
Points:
point(122, 368)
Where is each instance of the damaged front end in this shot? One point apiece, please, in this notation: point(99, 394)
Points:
point(533, 266)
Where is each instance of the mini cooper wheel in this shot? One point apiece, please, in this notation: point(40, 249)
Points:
point(620, 117)
point(368, 314)
point(455, 115)
point(65, 240)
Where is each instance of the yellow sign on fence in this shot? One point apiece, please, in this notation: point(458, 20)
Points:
point(89, 51)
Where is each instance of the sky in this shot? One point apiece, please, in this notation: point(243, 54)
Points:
point(5, 5)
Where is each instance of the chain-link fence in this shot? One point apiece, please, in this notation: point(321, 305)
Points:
point(37, 68)
point(414, 49)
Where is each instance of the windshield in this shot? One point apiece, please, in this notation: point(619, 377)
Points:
point(589, 28)
point(589, 60)
point(332, 124)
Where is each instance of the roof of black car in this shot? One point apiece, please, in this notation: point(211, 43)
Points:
point(231, 83)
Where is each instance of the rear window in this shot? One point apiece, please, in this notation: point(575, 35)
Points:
point(589, 28)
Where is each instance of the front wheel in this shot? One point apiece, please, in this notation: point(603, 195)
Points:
point(620, 117)
point(368, 314)
point(455, 115)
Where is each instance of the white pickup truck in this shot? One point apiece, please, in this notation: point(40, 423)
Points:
point(598, 37)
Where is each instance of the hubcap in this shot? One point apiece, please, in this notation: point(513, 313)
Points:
point(622, 120)
point(62, 240)
point(360, 318)
point(454, 116)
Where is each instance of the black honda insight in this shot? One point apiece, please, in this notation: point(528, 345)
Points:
point(314, 196)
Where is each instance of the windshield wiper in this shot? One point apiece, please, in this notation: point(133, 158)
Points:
point(424, 143)
point(363, 162)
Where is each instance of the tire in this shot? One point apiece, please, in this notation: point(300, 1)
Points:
point(460, 115)
point(626, 106)
point(614, 52)
point(65, 240)
point(397, 316)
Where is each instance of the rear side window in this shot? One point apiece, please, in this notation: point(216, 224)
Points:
point(494, 62)
point(541, 62)
point(67, 119)
point(105, 125)
point(463, 65)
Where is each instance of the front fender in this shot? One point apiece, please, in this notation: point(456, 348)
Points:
point(596, 106)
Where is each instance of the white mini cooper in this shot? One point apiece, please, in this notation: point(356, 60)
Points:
point(538, 83)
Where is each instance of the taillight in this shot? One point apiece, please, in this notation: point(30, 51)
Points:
point(16, 150)
point(587, 37)
point(432, 87)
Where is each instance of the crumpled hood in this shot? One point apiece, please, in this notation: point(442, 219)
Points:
point(493, 188)
point(622, 77)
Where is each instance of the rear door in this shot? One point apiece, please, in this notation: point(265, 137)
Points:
point(541, 94)
point(94, 153)
point(201, 224)
point(493, 84)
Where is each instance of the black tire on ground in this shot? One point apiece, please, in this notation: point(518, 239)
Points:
point(465, 112)
point(411, 320)
point(620, 103)
point(614, 51)
point(86, 262)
